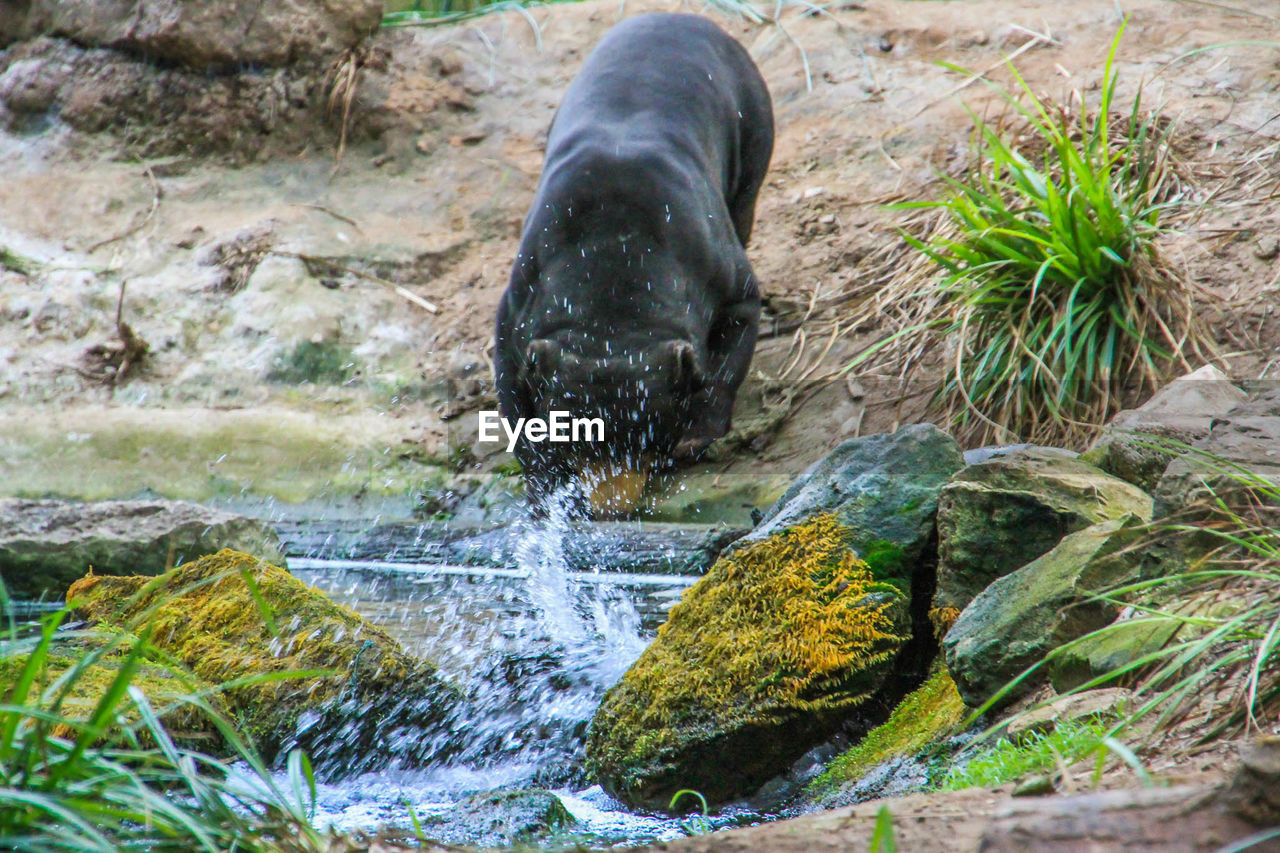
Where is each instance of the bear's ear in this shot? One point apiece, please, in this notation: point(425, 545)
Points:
point(681, 359)
point(542, 358)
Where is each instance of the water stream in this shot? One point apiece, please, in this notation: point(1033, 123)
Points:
point(534, 647)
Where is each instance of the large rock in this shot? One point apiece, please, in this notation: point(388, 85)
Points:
point(800, 622)
point(238, 621)
point(1240, 449)
point(1002, 513)
point(760, 661)
point(1131, 645)
point(1138, 443)
point(1023, 616)
point(45, 545)
point(883, 490)
point(200, 34)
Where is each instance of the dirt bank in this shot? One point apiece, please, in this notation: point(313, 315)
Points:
point(267, 261)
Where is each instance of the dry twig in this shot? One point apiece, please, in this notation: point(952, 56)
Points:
point(424, 304)
point(156, 195)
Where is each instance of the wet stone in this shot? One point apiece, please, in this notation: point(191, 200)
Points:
point(677, 549)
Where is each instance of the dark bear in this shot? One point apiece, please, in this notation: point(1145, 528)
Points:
point(631, 298)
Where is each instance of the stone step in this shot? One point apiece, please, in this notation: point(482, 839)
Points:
point(636, 547)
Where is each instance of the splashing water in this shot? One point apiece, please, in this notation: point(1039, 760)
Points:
point(532, 648)
point(541, 553)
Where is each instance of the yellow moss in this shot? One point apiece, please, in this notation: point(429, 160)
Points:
point(942, 618)
point(164, 686)
point(932, 711)
point(793, 624)
point(230, 616)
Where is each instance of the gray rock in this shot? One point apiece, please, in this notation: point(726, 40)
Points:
point(45, 545)
point(203, 35)
point(1107, 701)
point(982, 454)
point(1023, 616)
point(1137, 634)
point(1139, 443)
point(884, 488)
point(897, 777)
point(1000, 514)
point(1242, 447)
point(500, 818)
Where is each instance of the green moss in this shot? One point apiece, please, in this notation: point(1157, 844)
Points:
point(322, 363)
point(910, 505)
point(243, 623)
point(98, 453)
point(888, 562)
point(509, 468)
point(926, 715)
point(20, 264)
point(773, 644)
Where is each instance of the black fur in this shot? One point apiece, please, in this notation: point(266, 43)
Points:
point(632, 298)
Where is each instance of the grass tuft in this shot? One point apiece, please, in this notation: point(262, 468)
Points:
point(1007, 761)
point(109, 776)
point(1055, 304)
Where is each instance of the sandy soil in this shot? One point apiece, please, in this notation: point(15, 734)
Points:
point(230, 267)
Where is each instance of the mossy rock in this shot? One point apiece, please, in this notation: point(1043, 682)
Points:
point(883, 489)
point(712, 498)
point(1025, 615)
point(761, 660)
point(1136, 456)
point(243, 623)
point(927, 715)
point(1108, 651)
point(1000, 514)
point(500, 818)
point(75, 697)
point(1174, 616)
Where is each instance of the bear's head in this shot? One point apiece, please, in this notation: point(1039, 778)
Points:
point(640, 401)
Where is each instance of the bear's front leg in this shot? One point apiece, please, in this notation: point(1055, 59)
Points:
point(732, 343)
